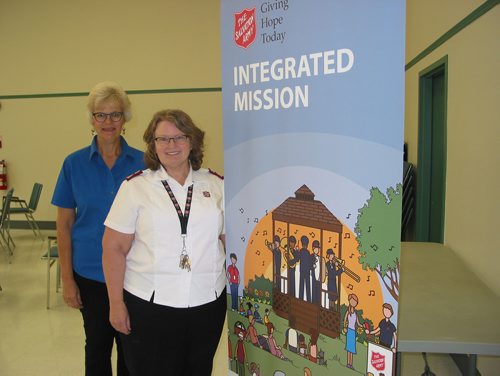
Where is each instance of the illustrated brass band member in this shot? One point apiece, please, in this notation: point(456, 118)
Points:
point(293, 253)
point(333, 270)
point(305, 269)
point(317, 272)
point(275, 249)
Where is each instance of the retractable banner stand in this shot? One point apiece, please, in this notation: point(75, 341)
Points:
point(313, 99)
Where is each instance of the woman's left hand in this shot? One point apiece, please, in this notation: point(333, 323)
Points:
point(119, 318)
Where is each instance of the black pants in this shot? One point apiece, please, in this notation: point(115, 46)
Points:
point(99, 334)
point(172, 341)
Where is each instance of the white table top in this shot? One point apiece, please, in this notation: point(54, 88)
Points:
point(443, 306)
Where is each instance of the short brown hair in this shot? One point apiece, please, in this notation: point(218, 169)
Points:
point(185, 124)
point(389, 307)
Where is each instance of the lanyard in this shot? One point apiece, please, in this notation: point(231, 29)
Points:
point(183, 218)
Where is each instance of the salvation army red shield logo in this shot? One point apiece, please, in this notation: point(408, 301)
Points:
point(245, 27)
point(378, 361)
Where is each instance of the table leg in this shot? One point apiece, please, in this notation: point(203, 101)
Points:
point(466, 364)
point(398, 364)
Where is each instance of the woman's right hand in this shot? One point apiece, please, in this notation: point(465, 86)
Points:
point(119, 318)
point(71, 294)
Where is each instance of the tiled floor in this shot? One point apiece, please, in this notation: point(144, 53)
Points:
point(36, 341)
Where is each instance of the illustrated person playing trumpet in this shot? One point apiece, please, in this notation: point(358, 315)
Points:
point(333, 270)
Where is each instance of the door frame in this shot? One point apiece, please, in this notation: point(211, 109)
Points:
point(425, 160)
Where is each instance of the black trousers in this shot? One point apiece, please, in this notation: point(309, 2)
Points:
point(99, 334)
point(172, 341)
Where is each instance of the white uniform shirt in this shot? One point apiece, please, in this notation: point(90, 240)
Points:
point(143, 207)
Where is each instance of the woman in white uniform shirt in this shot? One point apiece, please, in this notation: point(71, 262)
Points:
point(164, 254)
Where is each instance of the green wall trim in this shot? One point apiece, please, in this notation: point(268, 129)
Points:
point(478, 12)
point(130, 92)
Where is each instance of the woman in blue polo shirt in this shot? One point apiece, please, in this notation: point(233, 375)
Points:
point(86, 187)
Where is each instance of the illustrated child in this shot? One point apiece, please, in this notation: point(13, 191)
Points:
point(249, 309)
point(242, 308)
point(254, 369)
point(239, 330)
point(313, 346)
point(256, 314)
point(266, 316)
point(273, 346)
point(386, 328)
point(302, 347)
point(252, 332)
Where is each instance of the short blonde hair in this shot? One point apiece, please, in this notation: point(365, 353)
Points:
point(108, 91)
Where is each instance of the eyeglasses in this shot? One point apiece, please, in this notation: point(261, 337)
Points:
point(178, 140)
point(101, 117)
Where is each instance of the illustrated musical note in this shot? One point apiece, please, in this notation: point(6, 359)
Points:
point(257, 233)
point(312, 234)
point(264, 233)
point(242, 210)
point(374, 247)
point(330, 239)
point(348, 215)
point(352, 254)
point(369, 228)
point(243, 239)
point(368, 279)
point(347, 235)
point(280, 230)
point(295, 233)
point(350, 286)
point(256, 220)
point(257, 252)
point(284, 233)
point(392, 247)
point(372, 293)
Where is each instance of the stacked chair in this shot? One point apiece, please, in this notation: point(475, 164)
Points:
point(22, 207)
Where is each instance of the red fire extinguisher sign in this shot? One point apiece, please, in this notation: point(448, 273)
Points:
point(3, 175)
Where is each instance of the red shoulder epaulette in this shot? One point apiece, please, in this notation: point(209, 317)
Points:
point(137, 173)
point(216, 174)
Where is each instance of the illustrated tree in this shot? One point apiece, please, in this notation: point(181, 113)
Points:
point(378, 235)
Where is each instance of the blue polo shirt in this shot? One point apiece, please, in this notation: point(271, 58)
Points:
point(87, 185)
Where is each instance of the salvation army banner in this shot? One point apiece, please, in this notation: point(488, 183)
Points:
point(313, 99)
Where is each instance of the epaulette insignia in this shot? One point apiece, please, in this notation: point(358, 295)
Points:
point(216, 174)
point(137, 173)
